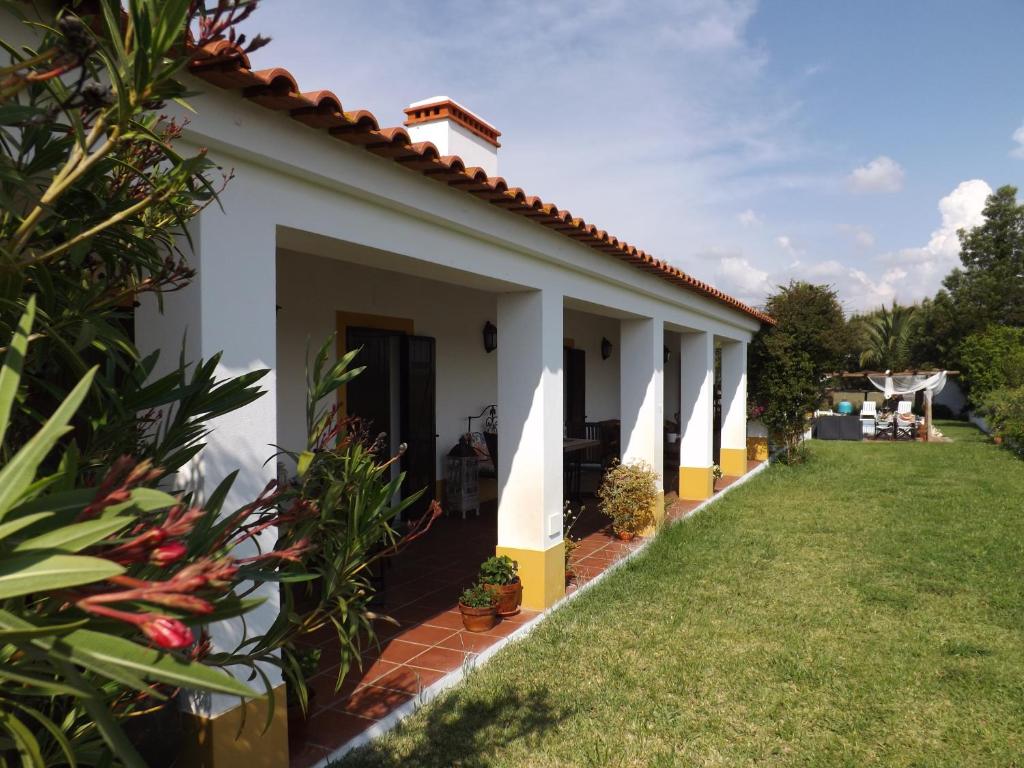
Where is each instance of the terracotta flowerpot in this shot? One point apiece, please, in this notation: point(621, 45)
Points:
point(298, 721)
point(478, 619)
point(510, 597)
point(625, 535)
point(997, 439)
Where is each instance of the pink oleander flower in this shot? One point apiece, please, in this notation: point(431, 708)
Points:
point(166, 632)
point(168, 553)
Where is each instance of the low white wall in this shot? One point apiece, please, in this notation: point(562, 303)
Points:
point(312, 289)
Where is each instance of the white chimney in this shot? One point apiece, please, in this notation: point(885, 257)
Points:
point(454, 130)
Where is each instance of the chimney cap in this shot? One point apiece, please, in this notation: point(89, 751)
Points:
point(445, 108)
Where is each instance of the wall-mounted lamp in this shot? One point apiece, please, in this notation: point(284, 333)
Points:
point(606, 349)
point(490, 337)
point(668, 354)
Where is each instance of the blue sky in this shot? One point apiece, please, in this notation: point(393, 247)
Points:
point(748, 142)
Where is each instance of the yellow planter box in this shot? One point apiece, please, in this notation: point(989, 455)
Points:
point(757, 448)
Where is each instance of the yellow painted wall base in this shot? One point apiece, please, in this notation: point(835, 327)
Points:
point(696, 483)
point(237, 740)
point(757, 448)
point(542, 574)
point(733, 461)
point(659, 515)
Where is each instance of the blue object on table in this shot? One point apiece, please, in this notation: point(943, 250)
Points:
point(845, 407)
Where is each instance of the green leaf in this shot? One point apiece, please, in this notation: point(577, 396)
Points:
point(76, 537)
point(96, 705)
point(24, 742)
point(20, 471)
point(42, 571)
point(10, 373)
point(46, 685)
point(87, 646)
point(13, 526)
point(40, 630)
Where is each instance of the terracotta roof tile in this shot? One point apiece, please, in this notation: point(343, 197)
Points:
point(222, 64)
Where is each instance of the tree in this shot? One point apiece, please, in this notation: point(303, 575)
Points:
point(939, 329)
point(889, 335)
point(788, 362)
point(813, 317)
point(992, 359)
point(990, 286)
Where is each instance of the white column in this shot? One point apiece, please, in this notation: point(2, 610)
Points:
point(530, 441)
point(229, 308)
point(696, 414)
point(641, 395)
point(733, 458)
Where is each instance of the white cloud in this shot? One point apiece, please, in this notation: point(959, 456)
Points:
point(785, 242)
point(749, 218)
point(1018, 138)
point(883, 174)
point(744, 277)
point(862, 236)
point(923, 268)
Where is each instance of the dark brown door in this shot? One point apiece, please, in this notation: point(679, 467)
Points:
point(575, 392)
point(419, 417)
point(369, 393)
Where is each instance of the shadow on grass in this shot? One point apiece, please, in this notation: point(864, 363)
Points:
point(465, 729)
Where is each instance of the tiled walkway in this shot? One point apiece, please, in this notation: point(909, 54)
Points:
point(421, 592)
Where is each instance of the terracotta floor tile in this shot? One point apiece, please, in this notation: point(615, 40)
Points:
point(330, 728)
point(374, 702)
point(471, 642)
point(409, 679)
point(447, 620)
point(503, 629)
point(424, 634)
point(441, 659)
point(306, 755)
point(398, 651)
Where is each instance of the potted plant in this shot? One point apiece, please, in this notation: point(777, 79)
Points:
point(500, 575)
point(570, 544)
point(301, 702)
point(716, 472)
point(628, 495)
point(479, 608)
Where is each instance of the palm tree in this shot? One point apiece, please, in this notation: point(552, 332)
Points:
point(889, 334)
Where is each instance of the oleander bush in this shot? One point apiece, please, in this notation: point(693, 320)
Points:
point(109, 569)
point(628, 495)
point(1004, 410)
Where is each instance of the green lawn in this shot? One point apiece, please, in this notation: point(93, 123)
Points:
point(864, 609)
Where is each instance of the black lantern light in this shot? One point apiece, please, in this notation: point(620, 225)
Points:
point(668, 354)
point(490, 337)
point(606, 349)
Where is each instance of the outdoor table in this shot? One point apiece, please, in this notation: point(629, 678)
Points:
point(838, 428)
point(573, 448)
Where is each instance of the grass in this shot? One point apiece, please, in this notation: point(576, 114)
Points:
point(866, 608)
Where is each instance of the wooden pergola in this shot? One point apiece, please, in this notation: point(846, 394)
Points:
point(927, 400)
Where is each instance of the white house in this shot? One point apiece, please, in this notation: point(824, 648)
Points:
point(406, 241)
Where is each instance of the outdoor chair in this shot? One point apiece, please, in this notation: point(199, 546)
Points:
point(868, 418)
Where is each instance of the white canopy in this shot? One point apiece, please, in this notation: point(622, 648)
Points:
point(907, 384)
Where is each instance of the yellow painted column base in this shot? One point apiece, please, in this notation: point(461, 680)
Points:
point(659, 516)
point(237, 739)
point(696, 483)
point(542, 574)
point(733, 461)
point(757, 448)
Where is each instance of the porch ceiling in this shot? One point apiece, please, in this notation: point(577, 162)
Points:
point(317, 245)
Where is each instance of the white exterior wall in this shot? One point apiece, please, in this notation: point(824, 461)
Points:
point(311, 289)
